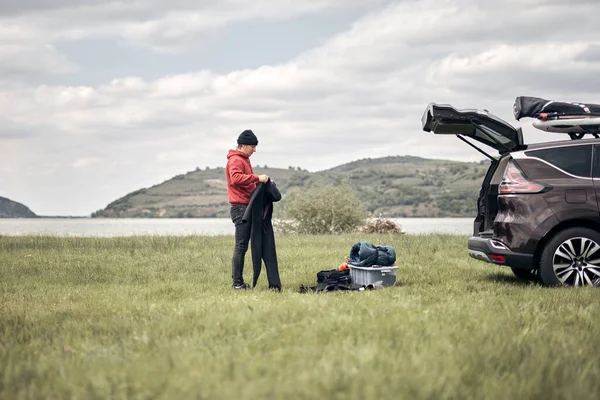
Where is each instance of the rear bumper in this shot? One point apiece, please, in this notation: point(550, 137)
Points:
point(483, 248)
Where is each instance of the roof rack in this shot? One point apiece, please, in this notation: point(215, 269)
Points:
point(575, 126)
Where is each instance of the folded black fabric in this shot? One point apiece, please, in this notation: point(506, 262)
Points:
point(532, 107)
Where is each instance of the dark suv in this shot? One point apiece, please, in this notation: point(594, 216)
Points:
point(537, 210)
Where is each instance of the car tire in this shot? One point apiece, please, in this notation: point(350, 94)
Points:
point(526, 274)
point(571, 258)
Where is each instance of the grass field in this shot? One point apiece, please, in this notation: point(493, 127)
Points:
point(155, 317)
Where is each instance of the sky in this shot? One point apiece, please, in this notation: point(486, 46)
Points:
point(100, 98)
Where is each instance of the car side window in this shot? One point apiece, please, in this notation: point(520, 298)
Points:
point(576, 160)
point(596, 170)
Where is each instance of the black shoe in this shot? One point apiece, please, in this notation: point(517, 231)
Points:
point(241, 286)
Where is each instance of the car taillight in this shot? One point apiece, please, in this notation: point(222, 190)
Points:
point(498, 258)
point(515, 182)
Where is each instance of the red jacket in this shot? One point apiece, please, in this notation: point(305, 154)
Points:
point(241, 180)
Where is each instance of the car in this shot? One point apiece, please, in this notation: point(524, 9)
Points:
point(537, 211)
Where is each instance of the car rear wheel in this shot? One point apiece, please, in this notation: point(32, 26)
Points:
point(526, 274)
point(571, 258)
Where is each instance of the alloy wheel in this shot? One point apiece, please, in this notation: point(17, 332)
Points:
point(576, 262)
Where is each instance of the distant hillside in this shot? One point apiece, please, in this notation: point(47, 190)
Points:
point(400, 186)
point(12, 209)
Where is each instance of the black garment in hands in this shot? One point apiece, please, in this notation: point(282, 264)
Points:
point(262, 243)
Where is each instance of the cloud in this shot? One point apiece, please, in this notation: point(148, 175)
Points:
point(357, 70)
point(8, 7)
point(18, 60)
point(169, 26)
point(176, 156)
point(86, 162)
point(506, 68)
point(15, 132)
point(592, 53)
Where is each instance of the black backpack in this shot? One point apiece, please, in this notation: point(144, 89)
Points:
point(331, 280)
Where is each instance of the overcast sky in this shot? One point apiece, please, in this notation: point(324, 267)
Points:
point(100, 98)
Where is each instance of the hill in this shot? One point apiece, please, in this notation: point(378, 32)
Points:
point(398, 186)
point(12, 209)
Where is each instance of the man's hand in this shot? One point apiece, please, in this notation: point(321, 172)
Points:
point(263, 178)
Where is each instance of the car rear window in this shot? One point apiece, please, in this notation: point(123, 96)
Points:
point(576, 160)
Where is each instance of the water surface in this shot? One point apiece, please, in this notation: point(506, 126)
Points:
point(112, 227)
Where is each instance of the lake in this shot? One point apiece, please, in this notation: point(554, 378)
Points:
point(109, 227)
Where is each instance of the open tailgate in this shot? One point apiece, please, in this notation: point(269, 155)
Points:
point(476, 124)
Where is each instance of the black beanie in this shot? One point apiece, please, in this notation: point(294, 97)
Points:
point(247, 137)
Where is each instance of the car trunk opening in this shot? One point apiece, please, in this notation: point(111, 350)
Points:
point(487, 201)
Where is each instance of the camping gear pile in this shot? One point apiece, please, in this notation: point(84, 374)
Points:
point(368, 267)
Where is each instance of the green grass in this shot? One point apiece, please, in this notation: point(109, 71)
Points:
point(154, 317)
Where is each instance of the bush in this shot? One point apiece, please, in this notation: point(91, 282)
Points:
point(322, 210)
point(381, 225)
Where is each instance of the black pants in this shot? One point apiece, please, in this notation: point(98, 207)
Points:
point(242, 237)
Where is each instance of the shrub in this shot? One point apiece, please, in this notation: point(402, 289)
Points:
point(322, 210)
point(381, 225)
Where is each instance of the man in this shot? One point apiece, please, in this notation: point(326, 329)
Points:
point(241, 182)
